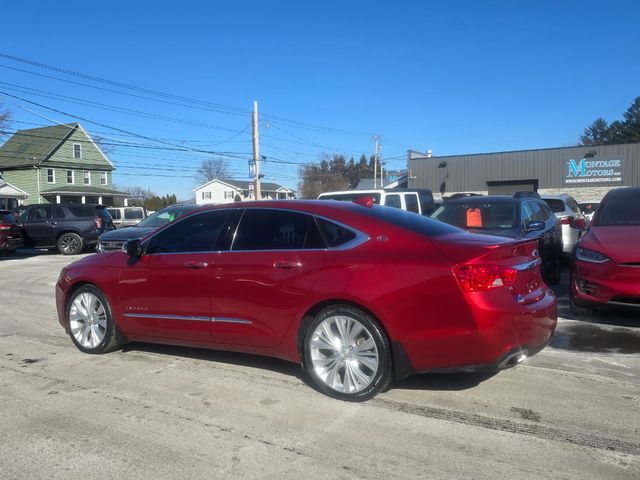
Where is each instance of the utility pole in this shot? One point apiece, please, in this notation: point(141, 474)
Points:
point(376, 140)
point(256, 151)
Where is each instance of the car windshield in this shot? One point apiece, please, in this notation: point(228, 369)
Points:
point(478, 215)
point(162, 217)
point(618, 211)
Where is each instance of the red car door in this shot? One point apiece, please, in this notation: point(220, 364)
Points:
point(167, 291)
point(261, 285)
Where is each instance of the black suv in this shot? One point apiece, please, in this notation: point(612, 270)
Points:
point(521, 216)
point(68, 228)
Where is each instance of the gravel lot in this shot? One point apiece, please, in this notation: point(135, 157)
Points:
point(163, 412)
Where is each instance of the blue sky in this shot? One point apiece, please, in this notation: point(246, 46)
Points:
point(453, 77)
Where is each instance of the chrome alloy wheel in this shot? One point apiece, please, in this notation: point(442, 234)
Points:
point(88, 320)
point(344, 354)
point(69, 244)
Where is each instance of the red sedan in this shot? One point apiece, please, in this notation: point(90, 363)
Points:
point(357, 294)
point(606, 261)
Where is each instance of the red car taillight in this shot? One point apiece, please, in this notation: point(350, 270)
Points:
point(99, 222)
point(4, 226)
point(567, 220)
point(477, 278)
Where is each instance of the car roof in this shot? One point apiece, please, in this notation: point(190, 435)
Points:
point(485, 199)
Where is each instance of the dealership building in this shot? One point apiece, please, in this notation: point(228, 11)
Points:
point(584, 172)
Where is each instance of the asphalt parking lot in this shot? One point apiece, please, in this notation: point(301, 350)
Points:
point(151, 411)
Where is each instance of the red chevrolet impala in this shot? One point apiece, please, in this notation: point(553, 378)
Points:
point(606, 261)
point(358, 294)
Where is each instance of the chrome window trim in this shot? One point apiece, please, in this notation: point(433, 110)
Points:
point(360, 237)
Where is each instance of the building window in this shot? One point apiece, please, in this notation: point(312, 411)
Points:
point(87, 178)
point(103, 178)
point(51, 175)
point(206, 195)
point(77, 150)
point(229, 194)
point(70, 176)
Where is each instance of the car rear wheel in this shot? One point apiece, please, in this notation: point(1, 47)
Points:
point(346, 354)
point(70, 244)
point(91, 324)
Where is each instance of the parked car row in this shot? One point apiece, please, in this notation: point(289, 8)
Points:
point(67, 228)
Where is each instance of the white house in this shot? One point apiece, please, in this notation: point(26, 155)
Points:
point(224, 190)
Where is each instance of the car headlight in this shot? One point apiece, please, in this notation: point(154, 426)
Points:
point(590, 256)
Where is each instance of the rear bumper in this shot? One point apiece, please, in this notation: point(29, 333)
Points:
point(499, 337)
point(10, 243)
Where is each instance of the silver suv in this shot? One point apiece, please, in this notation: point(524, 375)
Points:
point(126, 216)
point(574, 222)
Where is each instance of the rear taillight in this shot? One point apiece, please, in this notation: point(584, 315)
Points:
point(99, 222)
point(478, 278)
point(579, 224)
point(5, 226)
point(567, 220)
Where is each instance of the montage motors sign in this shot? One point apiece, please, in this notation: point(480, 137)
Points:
point(593, 171)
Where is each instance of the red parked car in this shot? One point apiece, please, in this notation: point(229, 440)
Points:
point(10, 233)
point(359, 295)
point(606, 261)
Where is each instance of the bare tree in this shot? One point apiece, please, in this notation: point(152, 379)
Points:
point(212, 168)
point(5, 120)
point(104, 145)
point(137, 195)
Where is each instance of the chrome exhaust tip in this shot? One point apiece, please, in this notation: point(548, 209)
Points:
point(513, 359)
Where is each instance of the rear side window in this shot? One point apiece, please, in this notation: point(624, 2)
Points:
point(426, 203)
point(197, 233)
point(38, 213)
point(573, 205)
point(81, 211)
point(415, 223)
point(411, 201)
point(393, 201)
point(335, 235)
point(557, 206)
point(133, 214)
point(115, 213)
point(262, 229)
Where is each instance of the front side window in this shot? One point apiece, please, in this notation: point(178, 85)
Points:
point(69, 176)
point(263, 229)
point(51, 175)
point(133, 214)
point(87, 178)
point(103, 178)
point(35, 214)
point(198, 233)
point(77, 150)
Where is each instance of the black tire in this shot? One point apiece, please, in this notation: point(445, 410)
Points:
point(381, 377)
point(111, 339)
point(69, 244)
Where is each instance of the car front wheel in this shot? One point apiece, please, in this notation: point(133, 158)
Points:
point(91, 324)
point(346, 354)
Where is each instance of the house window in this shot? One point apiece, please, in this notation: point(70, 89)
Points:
point(77, 150)
point(206, 195)
point(103, 178)
point(70, 176)
point(87, 178)
point(51, 175)
point(228, 194)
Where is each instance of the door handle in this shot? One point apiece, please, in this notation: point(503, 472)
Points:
point(195, 265)
point(286, 265)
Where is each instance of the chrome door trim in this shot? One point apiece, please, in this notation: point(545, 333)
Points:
point(231, 320)
point(168, 317)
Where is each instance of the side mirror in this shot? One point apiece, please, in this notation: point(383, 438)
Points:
point(535, 226)
point(133, 248)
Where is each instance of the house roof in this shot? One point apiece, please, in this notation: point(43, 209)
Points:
point(30, 147)
point(82, 190)
point(9, 191)
point(244, 185)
